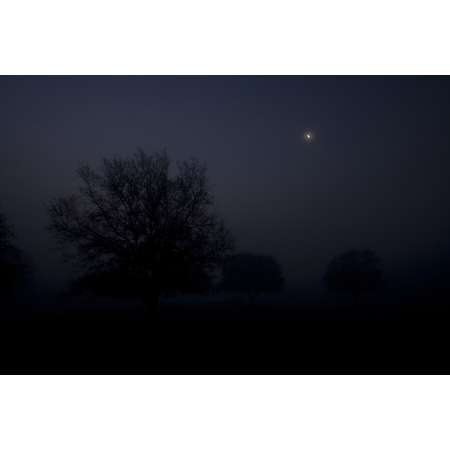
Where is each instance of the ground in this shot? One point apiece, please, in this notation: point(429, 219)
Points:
point(227, 335)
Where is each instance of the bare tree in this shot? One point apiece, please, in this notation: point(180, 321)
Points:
point(134, 217)
point(5, 234)
point(11, 266)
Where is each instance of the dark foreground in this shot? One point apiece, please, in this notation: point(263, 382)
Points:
point(235, 339)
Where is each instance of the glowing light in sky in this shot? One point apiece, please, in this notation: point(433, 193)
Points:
point(308, 136)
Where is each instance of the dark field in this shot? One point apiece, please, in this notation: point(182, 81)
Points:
point(228, 335)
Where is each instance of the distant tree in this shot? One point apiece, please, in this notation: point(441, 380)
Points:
point(137, 222)
point(5, 234)
point(11, 266)
point(355, 272)
point(251, 274)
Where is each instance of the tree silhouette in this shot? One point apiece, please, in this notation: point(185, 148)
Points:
point(5, 234)
point(251, 274)
point(355, 272)
point(136, 221)
point(10, 258)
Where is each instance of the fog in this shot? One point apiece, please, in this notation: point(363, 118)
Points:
point(376, 176)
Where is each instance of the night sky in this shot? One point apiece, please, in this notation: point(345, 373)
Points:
point(376, 175)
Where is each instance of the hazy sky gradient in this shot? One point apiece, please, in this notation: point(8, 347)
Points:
point(376, 176)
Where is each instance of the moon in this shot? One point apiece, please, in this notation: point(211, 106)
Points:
point(308, 136)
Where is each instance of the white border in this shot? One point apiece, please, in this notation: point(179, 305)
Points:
point(224, 412)
point(233, 37)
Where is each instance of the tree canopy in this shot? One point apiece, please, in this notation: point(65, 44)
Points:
point(151, 224)
point(355, 272)
point(11, 267)
point(251, 274)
